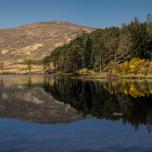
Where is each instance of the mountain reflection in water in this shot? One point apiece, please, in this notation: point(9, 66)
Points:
point(51, 99)
point(24, 98)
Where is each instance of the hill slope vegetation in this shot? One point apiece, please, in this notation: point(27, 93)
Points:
point(107, 50)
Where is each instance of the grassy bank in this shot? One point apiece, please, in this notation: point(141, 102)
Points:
point(90, 74)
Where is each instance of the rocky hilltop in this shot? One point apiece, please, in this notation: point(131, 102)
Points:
point(34, 41)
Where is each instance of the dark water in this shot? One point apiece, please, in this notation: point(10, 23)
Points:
point(56, 114)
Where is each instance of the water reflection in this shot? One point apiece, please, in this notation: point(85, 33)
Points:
point(130, 101)
point(53, 99)
point(24, 98)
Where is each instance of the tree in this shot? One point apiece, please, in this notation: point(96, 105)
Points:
point(149, 18)
point(149, 25)
point(29, 64)
point(121, 54)
point(88, 53)
point(140, 40)
point(47, 64)
point(1, 65)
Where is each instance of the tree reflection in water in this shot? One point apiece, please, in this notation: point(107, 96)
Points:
point(130, 101)
point(30, 98)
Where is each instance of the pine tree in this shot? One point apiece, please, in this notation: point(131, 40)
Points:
point(140, 40)
point(88, 53)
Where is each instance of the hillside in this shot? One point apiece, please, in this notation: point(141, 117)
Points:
point(34, 41)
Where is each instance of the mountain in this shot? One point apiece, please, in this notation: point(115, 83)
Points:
point(34, 41)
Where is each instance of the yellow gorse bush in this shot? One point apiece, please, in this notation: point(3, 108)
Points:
point(134, 66)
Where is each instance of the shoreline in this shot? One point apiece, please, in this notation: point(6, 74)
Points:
point(96, 76)
point(107, 76)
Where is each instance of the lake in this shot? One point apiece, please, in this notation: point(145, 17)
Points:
point(62, 114)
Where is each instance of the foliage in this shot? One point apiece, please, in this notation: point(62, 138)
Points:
point(1, 65)
point(29, 63)
point(115, 46)
point(134, 66)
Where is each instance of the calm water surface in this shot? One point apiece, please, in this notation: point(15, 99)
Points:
point(60, 114)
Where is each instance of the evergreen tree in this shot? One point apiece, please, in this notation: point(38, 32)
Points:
point(140, 40)
point(88, 53)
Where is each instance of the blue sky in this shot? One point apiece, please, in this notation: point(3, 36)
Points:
point(94, 13)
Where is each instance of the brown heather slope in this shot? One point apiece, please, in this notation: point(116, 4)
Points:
point(34, 41)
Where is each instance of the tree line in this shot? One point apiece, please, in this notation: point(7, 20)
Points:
point(97, 49)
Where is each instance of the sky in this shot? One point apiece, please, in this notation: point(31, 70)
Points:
point(93, 13)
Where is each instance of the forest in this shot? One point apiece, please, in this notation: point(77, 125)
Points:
point(125, 49)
